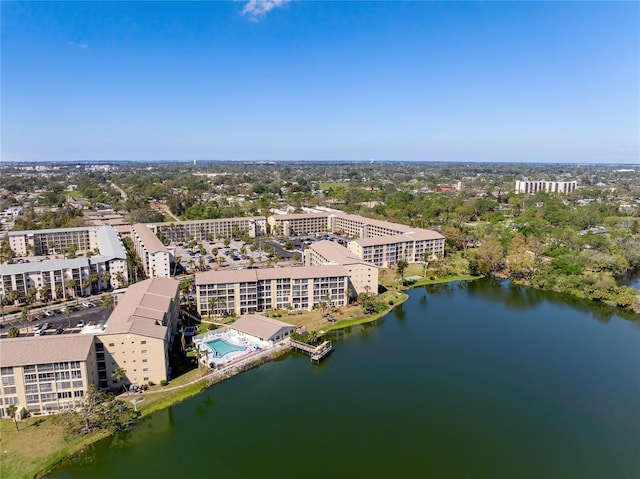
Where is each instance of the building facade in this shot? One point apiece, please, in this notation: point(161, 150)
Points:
point(532, 187)
point(154, 255)
point(247, 291)
point(204, 230)
point(385, 251)
point(47, 373)
point(66, 278)
point(363, 276)
point(51, 373)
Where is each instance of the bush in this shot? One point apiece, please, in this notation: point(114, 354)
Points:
point(151, 383)
point(211, 327)
point(164, 382)
point(391, 303)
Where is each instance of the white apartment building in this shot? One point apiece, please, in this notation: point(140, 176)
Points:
point(532, 187)
point(54, 275)
point(203, 230)
point(250, 290)
point(155, 257)
point(363, 276)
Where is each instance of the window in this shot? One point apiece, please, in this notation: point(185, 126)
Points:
point(8, 381)
point(111, 344)
point(145, 370)
point(145, 360)
point(78, 394)
point(6, 371)
point(11, 400)
point(143, 342)
point(144, 351)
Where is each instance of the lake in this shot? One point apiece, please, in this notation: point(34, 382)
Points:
point(472, 379)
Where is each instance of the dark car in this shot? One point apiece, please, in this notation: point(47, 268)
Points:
point(59, 330)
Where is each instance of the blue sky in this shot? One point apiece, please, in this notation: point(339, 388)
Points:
point(300, 80)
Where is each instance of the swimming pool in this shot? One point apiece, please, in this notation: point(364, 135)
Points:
point(221, 348)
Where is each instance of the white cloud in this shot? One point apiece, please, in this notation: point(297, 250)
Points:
point(256, 10)
point(79, 45)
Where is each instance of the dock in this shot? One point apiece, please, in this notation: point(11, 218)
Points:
point(317, 353)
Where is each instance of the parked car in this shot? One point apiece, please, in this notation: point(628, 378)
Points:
point(31, 317)
point(59, 330)
point(81, 324)
point(88, 305)
point(48, 314)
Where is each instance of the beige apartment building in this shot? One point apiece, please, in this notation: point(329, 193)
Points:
point(381, 243)
point(385, 251)
point(46, 373)
point(51, 373)
point(203, 230)
point(139, 333)
point(363, 276)
point(156, 258)
point(250, 290)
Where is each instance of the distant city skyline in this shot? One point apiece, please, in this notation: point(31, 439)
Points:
point(280, 80)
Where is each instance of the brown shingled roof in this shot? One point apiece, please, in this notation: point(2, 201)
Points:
point(253, 275)
point(142, 308)
point(259, 326)
point(45, 349)
point(151, 241)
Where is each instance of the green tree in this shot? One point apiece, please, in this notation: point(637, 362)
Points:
point(107, 301)
point(401, 266)
point(71, 286)
point(120, 374)
point(214, 303)
point(176, 262)
point(13, 332)
point(12, 409)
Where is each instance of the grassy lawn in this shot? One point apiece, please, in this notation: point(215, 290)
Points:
point(38, 446)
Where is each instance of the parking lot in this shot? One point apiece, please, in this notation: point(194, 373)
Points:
point(237, 254)
point(59, 322)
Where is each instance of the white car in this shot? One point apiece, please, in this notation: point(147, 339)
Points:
point(81, 324)
point(88, 305)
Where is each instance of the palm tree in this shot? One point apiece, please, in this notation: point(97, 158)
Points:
point(67, 313)
point(425, 260)
point(32, 292)
point(94, 279)
point(13, 296)
point(12, 409)
point(44, 293)
point(401, 266)
point(176, 262)
point(120, 279)
point(71, 286)
point(107, 301)
point(85, 284)
point(59, 290)
point(198, 354)
point(119, 374)
point(106, 277)
point(215, 301)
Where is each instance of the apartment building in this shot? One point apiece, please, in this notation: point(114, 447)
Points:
point(156, 258)
point(295, 224)
point(250, 290)
point(90, 274)
point(203, 230)
point(532, 187)
point(385, 251)
point(52, 373)
point(379, 242)
point(139, 334)
point(46, 373)
point(363, 276)
point(53, 241)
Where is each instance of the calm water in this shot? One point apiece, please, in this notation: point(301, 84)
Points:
point(477, 380)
